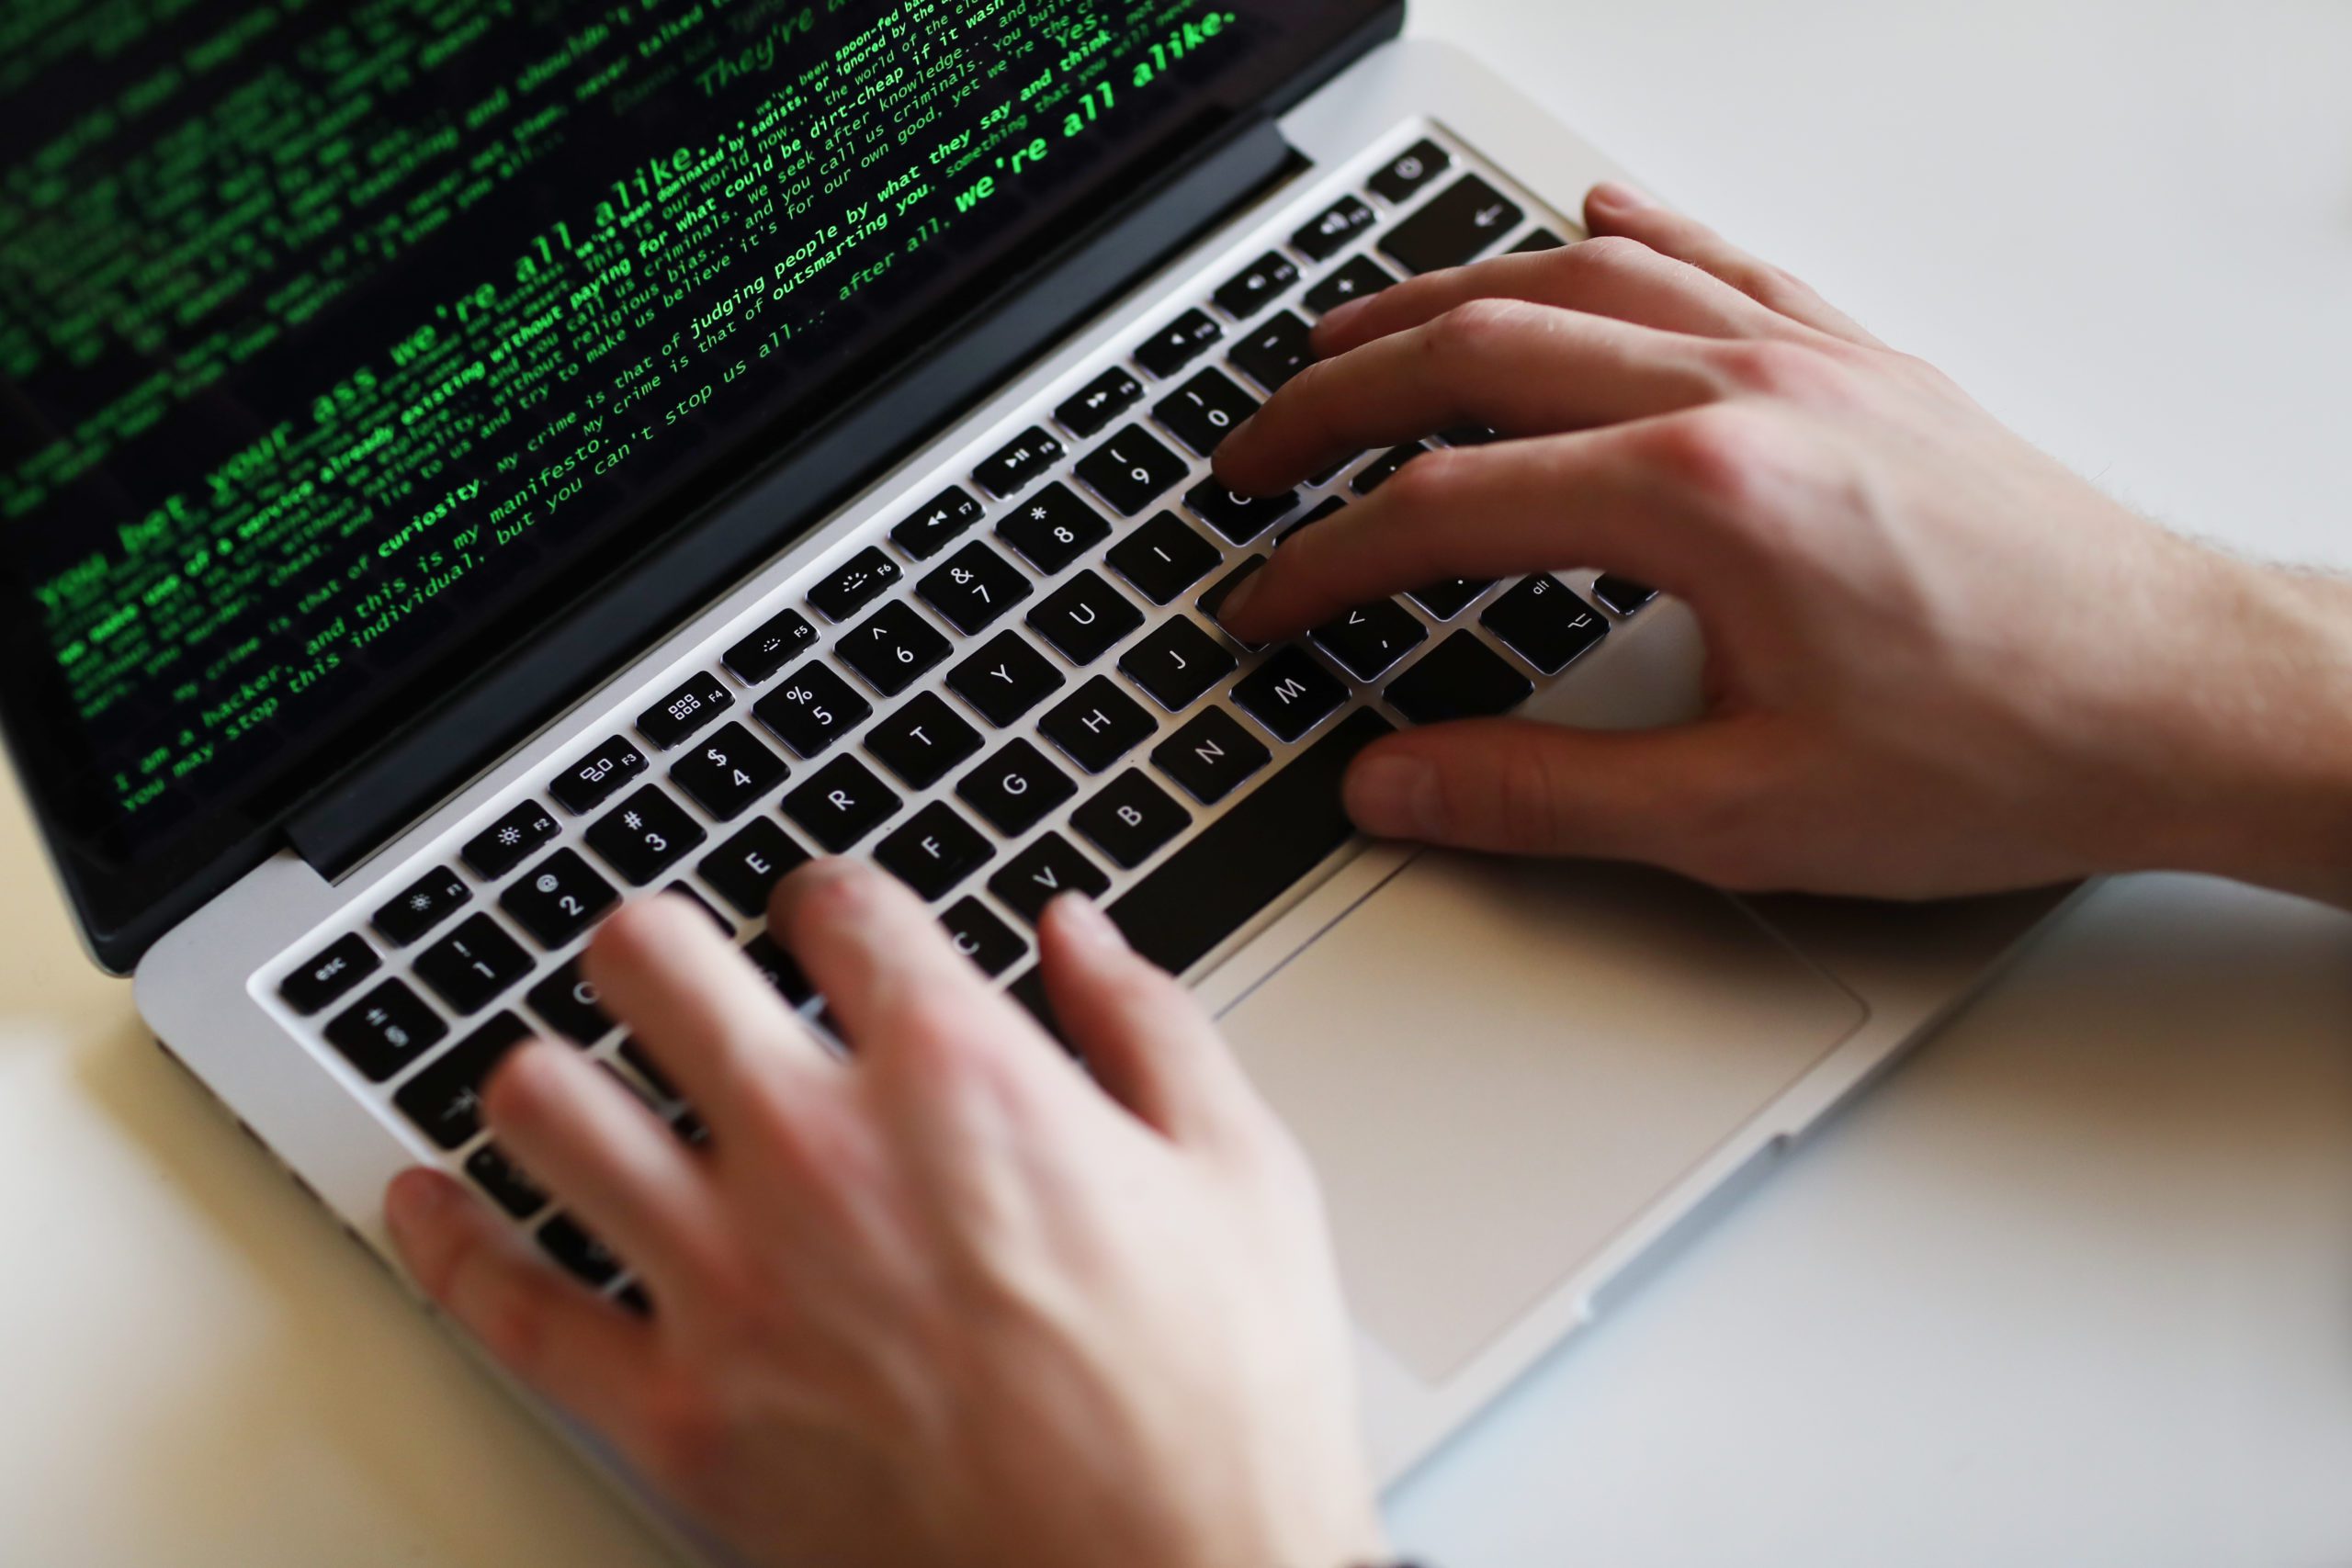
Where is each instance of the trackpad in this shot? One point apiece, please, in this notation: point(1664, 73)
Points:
point(1497, 1065)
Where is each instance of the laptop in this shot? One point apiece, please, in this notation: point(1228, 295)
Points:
point(463, 470)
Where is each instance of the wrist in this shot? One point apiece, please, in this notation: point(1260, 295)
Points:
point(2255, 769)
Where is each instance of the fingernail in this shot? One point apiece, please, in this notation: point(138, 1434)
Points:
point(1393, 797)
point(416, 1199)
point(1084, 920)
point(1619, 196)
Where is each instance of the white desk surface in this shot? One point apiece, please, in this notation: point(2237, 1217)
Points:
point(2074, 1286)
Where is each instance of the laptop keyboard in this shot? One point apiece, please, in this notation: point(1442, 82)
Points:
point(1017, 689)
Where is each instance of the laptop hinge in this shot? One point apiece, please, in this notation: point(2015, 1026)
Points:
point(380, 796)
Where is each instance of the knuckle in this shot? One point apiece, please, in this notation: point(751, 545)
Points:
point(1722, 456)
point(1604, 253)
point(1464, 340)
point(1527, 796)
point(1427, 483)
point(1774, 368)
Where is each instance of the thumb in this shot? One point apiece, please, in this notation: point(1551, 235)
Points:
point(1691, 799)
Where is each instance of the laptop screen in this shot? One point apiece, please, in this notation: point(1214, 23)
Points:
point(339, 344)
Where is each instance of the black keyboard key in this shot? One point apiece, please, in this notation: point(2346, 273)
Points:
point(386, 1030)
point(1470, 436)
point(1180, 342)
point(922, 739)
point(1360, 278)
point(1025, 458)
point(1387, 466)
point(1015, 788)
point(507, 841)
point(841, 803)
point(1044, 872)
point(973, 587)
point(674, 720)
point(1163, 558)
point(559, 899)
point(979, 936)
point(1460, 678)
point(1542, 240)
point(578, 1252)
point(1222, 589)
point(894, 647)
point(445, 1100)
point(1239, 518)
point(856, 583)
point(1212, 756)
point(1052, 528)
point(1249, 857)
point(933, 850)
point(1101, 400)
point(567, 1002)
point(645, 836)
point(1545, 623)
point(423, 905)
point(682, 891)
point(504, 1181)
point(1204, 408)
point(1290, 694)
point(1466, 218)
point(472, 964)
point(1030, 992)
point(1131, 470)
point(1177, 663)
point(774, 645)
point(728, 773)
point(1097, 725)
point(1085, 618)
point(746, 868)
point(813, 709)
point(930, 530)
point(1130, 820)
point(1622, 595)
point(1448, 598)
point(1370, 639)
point(1402, 176)
point(1257, 286)
point(594, 779)
point(1005, 678)
point(1274, 354)
point(779, 969)
point(1332, 505)
point(1329, 234)
point(329, 975)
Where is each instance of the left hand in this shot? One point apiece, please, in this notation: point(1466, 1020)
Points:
point(947, 1299)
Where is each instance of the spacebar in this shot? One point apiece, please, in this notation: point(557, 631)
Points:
point(1248, 857)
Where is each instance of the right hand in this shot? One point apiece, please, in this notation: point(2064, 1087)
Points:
point(1938, 661)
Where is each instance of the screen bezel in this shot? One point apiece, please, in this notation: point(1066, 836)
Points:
point(123, 907)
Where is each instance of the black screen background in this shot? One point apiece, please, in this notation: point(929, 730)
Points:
point(613, 520)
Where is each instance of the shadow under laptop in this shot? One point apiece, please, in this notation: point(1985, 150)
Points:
point(267, 1383)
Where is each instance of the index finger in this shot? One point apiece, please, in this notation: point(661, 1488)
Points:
point(1593, 499)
